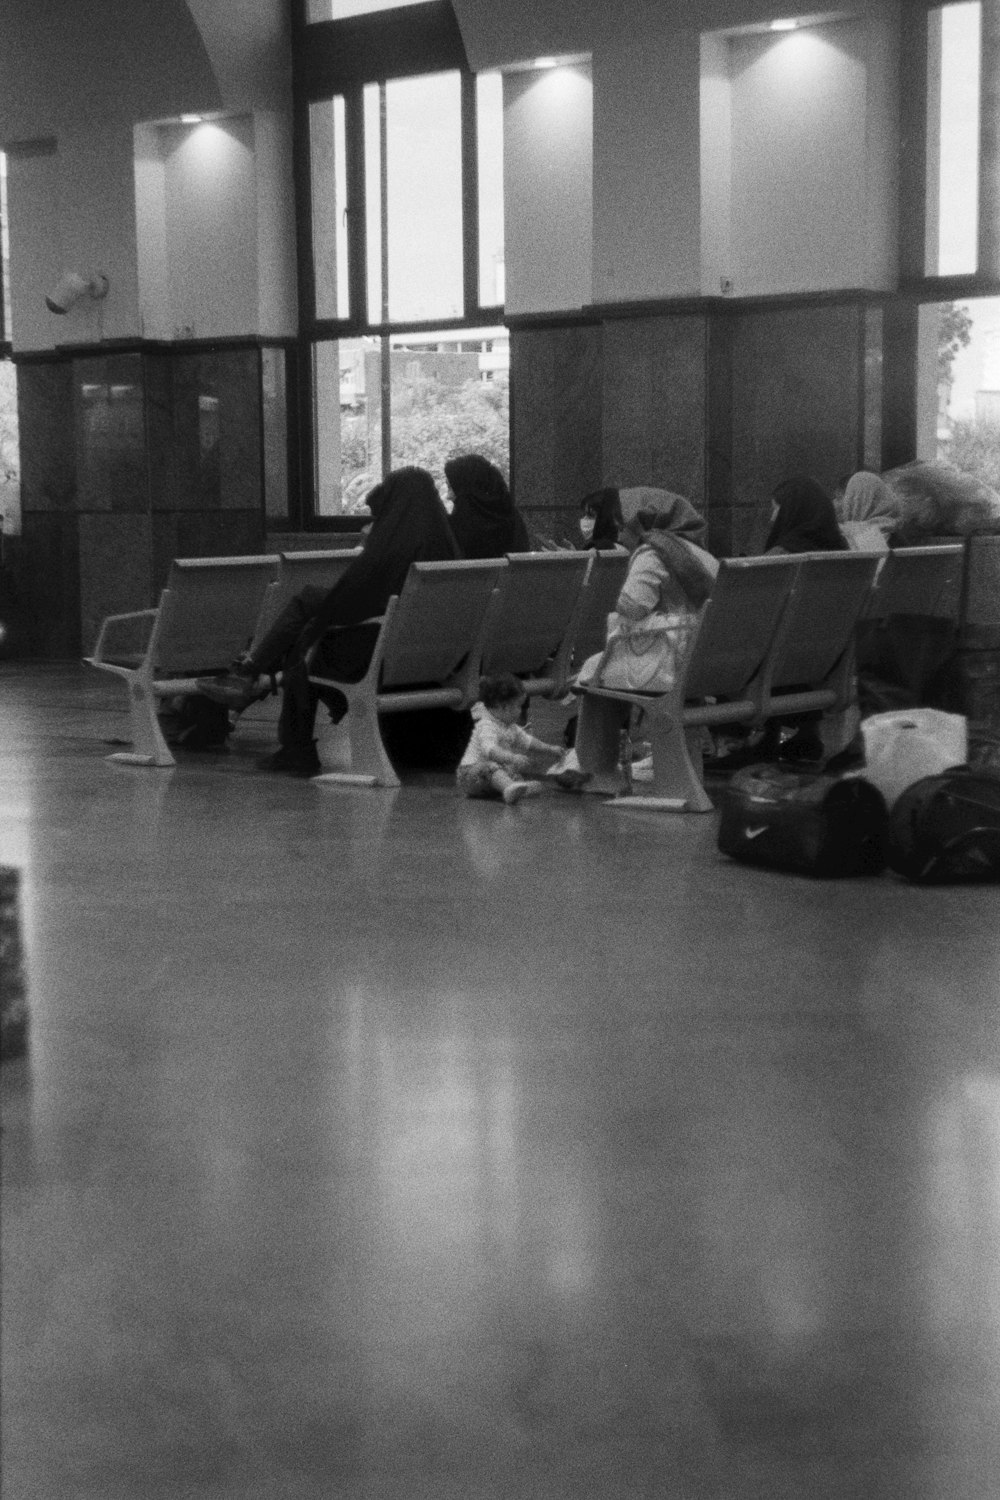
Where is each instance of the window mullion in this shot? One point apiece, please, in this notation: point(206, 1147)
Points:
point(470, 195)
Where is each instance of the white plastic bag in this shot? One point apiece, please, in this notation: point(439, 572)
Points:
point(909, 744)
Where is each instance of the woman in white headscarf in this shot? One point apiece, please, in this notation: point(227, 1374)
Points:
point(670, 573)
point(868, 512)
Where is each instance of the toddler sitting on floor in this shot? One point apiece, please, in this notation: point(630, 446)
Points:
point(500, 752)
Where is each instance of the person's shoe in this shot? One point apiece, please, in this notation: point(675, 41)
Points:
point(236, 690)
point(518, 790)
point(293, 760)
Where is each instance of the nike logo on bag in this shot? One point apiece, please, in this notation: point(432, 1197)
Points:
point(754, 833)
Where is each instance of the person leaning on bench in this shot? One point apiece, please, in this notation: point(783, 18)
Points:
point(409, 524)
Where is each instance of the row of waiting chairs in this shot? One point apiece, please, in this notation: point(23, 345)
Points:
point(538, 615)
point(776, 637)
point(544, 610)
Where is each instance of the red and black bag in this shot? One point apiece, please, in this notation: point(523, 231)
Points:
point(947, 828)
point(804, 821)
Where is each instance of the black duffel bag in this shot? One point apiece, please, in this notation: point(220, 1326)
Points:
point(947, 827)
point(804, 821)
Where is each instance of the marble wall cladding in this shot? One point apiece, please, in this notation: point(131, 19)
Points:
point(46, 620)
point(45, 425)
point(556, 414)
point(205, 430)
point(873, 382)
point(274, 427)
point(239, 431)
point(229, 533)
point(796, 397)
point(717, 406)
point(128, 460)
point(109, 427)
point(115, 561)
point(654, 403)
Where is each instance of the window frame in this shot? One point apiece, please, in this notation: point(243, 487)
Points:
point(915, 147)
point(331, 58)
point(410, 42)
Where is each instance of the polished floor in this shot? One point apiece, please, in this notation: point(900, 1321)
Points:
point(388, 1146)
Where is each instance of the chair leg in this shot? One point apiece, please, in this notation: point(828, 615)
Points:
point(368, 754)
point(598, 741)
point(149, 746)
point(677, 763)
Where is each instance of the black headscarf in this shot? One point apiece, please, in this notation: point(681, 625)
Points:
point(484, 521)
point(806, 520)
point(604, 507)
point(409, 524)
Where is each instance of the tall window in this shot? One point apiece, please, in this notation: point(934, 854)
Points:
point(953, 108)
point(404, 280)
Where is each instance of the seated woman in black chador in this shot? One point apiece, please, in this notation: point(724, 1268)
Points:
point(803, 519)
point(484, 521)
point(409, 524)
point(601, 519)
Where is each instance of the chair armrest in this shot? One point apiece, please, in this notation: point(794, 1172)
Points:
point(112, 626)
point(332, 630)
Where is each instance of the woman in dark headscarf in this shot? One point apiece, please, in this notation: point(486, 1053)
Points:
point(803, 519)
point(484, 521)
point(600, 519)
point(409, 524)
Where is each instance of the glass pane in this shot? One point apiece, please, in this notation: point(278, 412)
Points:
point(378, 311)
point(347, 423)
point(339, 10)
point(953, 138)
point(489, 101)
point(450, 395)
point(967, 349)
point(328, 165)
point(10, 456)
point(423, 189)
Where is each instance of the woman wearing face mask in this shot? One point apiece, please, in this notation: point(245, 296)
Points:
point(600, 519)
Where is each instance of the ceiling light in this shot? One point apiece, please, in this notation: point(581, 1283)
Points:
point(191, 119)
point(545, 62)
point(784, 25)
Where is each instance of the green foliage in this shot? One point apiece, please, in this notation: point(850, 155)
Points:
point(975, 448)
point(954, 333)
point(431, 423)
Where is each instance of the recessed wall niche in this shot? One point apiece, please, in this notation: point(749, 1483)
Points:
point(797, 166)
point(197, 228)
